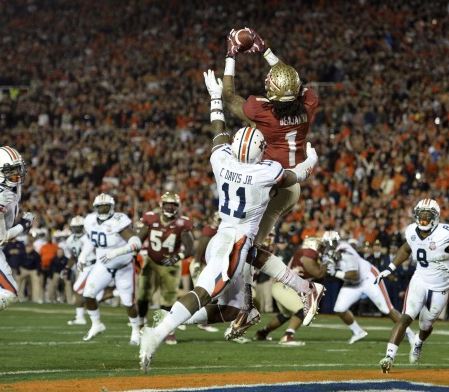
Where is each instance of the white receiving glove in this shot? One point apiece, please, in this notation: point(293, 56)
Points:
point(214, 86)
point(107, 257)
point(331, 268)
point(386, 272)
point(26, 221)
point(303, 169)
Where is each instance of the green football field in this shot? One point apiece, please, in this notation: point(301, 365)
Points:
point(37, 344)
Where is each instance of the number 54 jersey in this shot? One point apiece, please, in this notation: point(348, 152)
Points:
point(243, 189)
point(431, 255)
point(105, 235)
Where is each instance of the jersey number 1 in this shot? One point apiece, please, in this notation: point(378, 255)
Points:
point(291, 141)
point(239, 213)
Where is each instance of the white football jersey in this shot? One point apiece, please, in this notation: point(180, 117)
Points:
point(243, 189)
point(431, 255)
point(351, 261)
point(12, 209)
point(106, 235)
point(73, 246)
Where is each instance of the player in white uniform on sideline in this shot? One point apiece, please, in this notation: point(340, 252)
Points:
point(115, 242)
point(245, 184)
point(73, 246)
point(12, 174)
point(427, 242)
point(358, 276)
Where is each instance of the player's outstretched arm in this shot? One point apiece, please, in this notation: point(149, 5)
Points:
point(215, 89)
point(133, 246)
point(301, 171)
point(403, 254)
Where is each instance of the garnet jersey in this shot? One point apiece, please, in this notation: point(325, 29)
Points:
point(243, 189)
point(105, 235)
point(285, 137)
point(297, 264)
point(431, 255)
point(164, 240)
point(209, 231)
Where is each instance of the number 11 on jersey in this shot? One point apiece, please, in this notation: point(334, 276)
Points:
point(239, 213)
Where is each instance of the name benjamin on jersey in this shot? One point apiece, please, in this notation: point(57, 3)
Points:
point(235, 177)
point(295, 120)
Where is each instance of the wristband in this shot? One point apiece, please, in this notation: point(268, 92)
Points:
point(340, 275)
point(216, 104)
point(181, 256)
point(391, 267)
point(229, 67)
point(271, 58)
point(217, 115)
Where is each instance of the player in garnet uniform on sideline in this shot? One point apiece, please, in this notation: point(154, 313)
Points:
point(166, 232)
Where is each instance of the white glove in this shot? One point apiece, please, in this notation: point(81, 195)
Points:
point(80, 266)
point(6, 198)
point(214, 86)
point(26, 221)
point(331, 269)
point(303, 169)
point(383, 274)
point(107, 257)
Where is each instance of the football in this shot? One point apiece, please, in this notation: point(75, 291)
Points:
point(244, 39)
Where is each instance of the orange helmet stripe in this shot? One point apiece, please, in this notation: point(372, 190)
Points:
point(246, 138)
point(13, 152)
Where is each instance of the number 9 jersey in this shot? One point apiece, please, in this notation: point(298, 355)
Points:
point(105, 235)
point(431, 255)
point(243, 189)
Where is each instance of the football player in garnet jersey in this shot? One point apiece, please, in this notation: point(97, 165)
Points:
point(166, 232)
point(284, 116)
point(427, 242)
point(12, 174)
point(244, 183)
point(306, 262)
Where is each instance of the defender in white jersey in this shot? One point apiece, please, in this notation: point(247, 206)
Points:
point(115, 242)
point(427, 242)
point(12, 174)
point(245, 184)
point(358, 276)
point(73, 246)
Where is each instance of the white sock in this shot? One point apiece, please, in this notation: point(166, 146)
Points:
point(79, 313)
point(290, 330)
point(392, 349)
point(94, 316)
point(276, 268)
point(177, 316)
point(134, 322)
point(418, 341)
point(199, 317)
point(410, 334)
point(355, 328)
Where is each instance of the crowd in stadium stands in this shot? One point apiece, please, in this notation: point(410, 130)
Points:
point(109, 96)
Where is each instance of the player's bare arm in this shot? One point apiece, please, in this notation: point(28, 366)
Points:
point(403, 254)
point(188, 241)
point(314, 269)
point(142, 232)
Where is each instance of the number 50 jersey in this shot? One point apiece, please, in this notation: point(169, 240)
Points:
point(243, 189)
point(106, 236)
point(431, 255)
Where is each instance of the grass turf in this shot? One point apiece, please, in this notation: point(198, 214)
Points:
point(39, 345)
